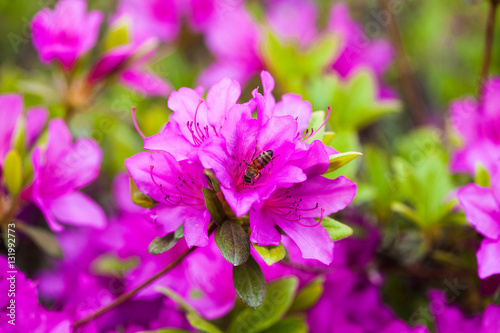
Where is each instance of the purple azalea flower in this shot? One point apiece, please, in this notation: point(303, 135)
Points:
point(194, 120)
point(11, 108)
point(28, 315)
point(479, 125)
point(357, 50)
point(159, 19)
point(61, 168)
point(450, 319)
point(65, 33)
point(132, 75)
point(241, 61)
point(284, 15)
point(176, 186)
point(482, 210)
point(294, 209)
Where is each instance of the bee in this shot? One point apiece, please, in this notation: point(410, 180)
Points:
point(252, 172)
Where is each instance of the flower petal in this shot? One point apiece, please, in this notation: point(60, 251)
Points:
point(145, 82)
point(481, 209)
point(313, 242)
point(263, 226)
point(220, 98)
point(488, 258)
point(77, 209)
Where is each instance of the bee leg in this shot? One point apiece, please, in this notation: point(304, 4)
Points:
point(272, 159)
point(255, 152)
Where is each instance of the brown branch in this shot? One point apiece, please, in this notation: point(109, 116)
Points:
point(406, 78)
point(488, 44)
point(125, 297)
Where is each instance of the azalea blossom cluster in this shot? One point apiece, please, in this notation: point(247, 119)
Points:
point(287, 191)
point(479, 124)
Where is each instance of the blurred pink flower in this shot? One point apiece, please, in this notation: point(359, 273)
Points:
point(479, 126)
point(27, 314)
point(358, 50)
point(233, 38)
point(66, 32)
point(61, 168)
point(11, 109)
point(449, 319)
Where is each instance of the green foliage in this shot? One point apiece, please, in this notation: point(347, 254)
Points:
point(202, 324)
point(162, 244)
point(233, 242)
point(335, 229)
point(271, 253)
point(118, 34)
point(111, 265)
point(289, 325)
point(339, 160)
point(308, 295)
point(44, 239)
point(249, 283)
point(278, 299)
point(12, 172)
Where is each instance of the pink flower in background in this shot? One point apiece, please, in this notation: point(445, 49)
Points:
point(482, 210)
point(134, 75)
point(176, 186)
point(357, 50)
point(450, 319)
point(61, 168)
point(233, 38)
point(159, 19)
point(28, 315)
point(66, 32)
point(293, 19)
point(479, 126)
point(11, 108)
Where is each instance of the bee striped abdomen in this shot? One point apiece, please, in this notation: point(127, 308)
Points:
point(253, 169)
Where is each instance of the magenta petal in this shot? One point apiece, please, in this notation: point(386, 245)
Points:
point(263, 226)
point(195, 229)
point(170, 140)
point(313, 242)
point(145, 82)
point(109, 62)
point(77, 209)
point(293, 105)
point(491, 319)
point(481, 209)
point(220, 98)
point(35, 121)
point(58, 142)
point(464, 117)
point(167, 219)
point(11, 106)
point(488, 258)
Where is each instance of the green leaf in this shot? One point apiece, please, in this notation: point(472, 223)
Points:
point(335, 229)
point(271, 253)
point(279, 296)
point(233, 243)
point(202, 324)
point(118, 34)
point(177, 298)
point(12, 172)
point(407, 212)
point(308, 295)
point(289, 325)
point(482, 177)
point(167, 330)
point(249, 283)
point(214, 206)
point(179, 232)
point(44, 239)
point(339, 160)
point(20, 136)
point(162, 244)
point(111, 265)
point(139, 198)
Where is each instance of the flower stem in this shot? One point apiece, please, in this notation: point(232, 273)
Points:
point(488, 44)
point(125, 297)
point(406, 76)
